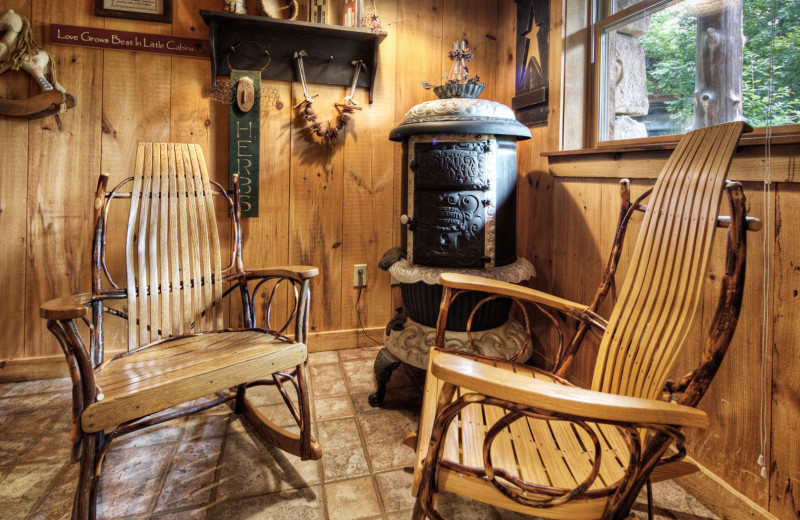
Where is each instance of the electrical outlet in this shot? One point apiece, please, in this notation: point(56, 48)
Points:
point(360, 275)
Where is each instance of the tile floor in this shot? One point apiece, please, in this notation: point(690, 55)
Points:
point(211, 465)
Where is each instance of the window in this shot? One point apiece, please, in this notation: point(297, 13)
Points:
point(652, 56)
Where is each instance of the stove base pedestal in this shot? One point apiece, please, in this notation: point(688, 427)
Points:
point(412, 343)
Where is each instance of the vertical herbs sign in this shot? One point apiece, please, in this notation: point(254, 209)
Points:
point(244, 137)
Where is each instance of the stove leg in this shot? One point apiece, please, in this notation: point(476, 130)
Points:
point(385, 364)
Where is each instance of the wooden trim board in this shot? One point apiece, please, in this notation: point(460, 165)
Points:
point(748, 164)
point(52, 367)
point(720, 497)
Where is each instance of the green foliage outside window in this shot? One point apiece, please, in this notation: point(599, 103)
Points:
point(670, 48)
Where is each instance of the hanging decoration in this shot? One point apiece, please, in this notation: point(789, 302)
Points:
point(458, 83)
point(18, 50)
point(245, 126)
point(370, 20)
point(329, 133)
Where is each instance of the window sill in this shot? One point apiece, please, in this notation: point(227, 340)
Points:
point(749, 163)
point(645, 160)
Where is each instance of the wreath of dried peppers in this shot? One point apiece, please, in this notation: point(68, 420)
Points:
point(328, 132)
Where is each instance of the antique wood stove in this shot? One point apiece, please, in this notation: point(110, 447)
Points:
point(460, 169)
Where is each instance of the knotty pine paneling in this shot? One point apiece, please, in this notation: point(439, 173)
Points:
point(784, 366)
point(63, 165)
point(13, 208)
point(331, 208)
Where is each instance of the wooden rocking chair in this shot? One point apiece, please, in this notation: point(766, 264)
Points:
point(526, 440)
point(178, 350)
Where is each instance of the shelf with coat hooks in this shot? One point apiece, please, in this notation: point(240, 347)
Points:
point(330, 49)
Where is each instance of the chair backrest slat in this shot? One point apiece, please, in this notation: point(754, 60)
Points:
point(663, 287)
point(174, 257)
point(185, 269)
point(172, 249)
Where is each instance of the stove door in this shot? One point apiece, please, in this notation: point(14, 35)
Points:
point(450, 182)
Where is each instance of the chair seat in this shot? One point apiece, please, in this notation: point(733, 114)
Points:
point(555, 454)
point(179, 369)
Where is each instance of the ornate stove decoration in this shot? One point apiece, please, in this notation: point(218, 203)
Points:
point(459, 167)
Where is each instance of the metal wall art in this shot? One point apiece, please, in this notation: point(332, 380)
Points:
point(533, 44)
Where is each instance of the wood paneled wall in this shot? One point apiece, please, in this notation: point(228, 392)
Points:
point(328, 207)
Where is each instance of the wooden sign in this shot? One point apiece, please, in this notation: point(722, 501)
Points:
point(244, 138)
point(127, 41)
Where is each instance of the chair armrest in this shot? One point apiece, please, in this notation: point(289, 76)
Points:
point(66, 308)
point(478, 283)
point(555, 397)
point(297, 272)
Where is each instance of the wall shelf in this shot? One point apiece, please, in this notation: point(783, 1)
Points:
point(330, 48)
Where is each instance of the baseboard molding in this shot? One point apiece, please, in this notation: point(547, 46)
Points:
point(720, 497)
point(52, 367)
point(344, 339)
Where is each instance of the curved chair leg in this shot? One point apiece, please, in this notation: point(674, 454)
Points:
point(303, 445)
point(385, 364)
point(84, 506)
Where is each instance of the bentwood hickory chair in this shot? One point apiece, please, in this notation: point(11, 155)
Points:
point(526, 440)
point(178, 350)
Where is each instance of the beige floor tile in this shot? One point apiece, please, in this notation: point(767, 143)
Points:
point(342, 453)
point(453, 506)
point(279, 414)
point(395, 489)
point(408, 398)
point(358, 354)
point(250, 467)
point(352, 499)
point(203, 425)
point(130, 479)
point(64, 422)
point(52, 446)
point(400, 515)
point(22, 417)
point(327, 408)
point(24, 485)
point(193, 514)
point(164, 433)
point(11, 451)
point(298, 504)
point(327, 381)
point(321, 358)
point(61, 385)
point(384, 434)
point(672, 501)
point(58, 503)
point(360, 376)
point(191, 475)
point(265, 395)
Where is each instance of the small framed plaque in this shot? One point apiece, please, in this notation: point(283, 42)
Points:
point(150, 10)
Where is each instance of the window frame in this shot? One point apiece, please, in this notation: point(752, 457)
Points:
point(785, 133)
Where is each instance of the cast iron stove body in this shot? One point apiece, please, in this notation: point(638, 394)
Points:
point(459, 169)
